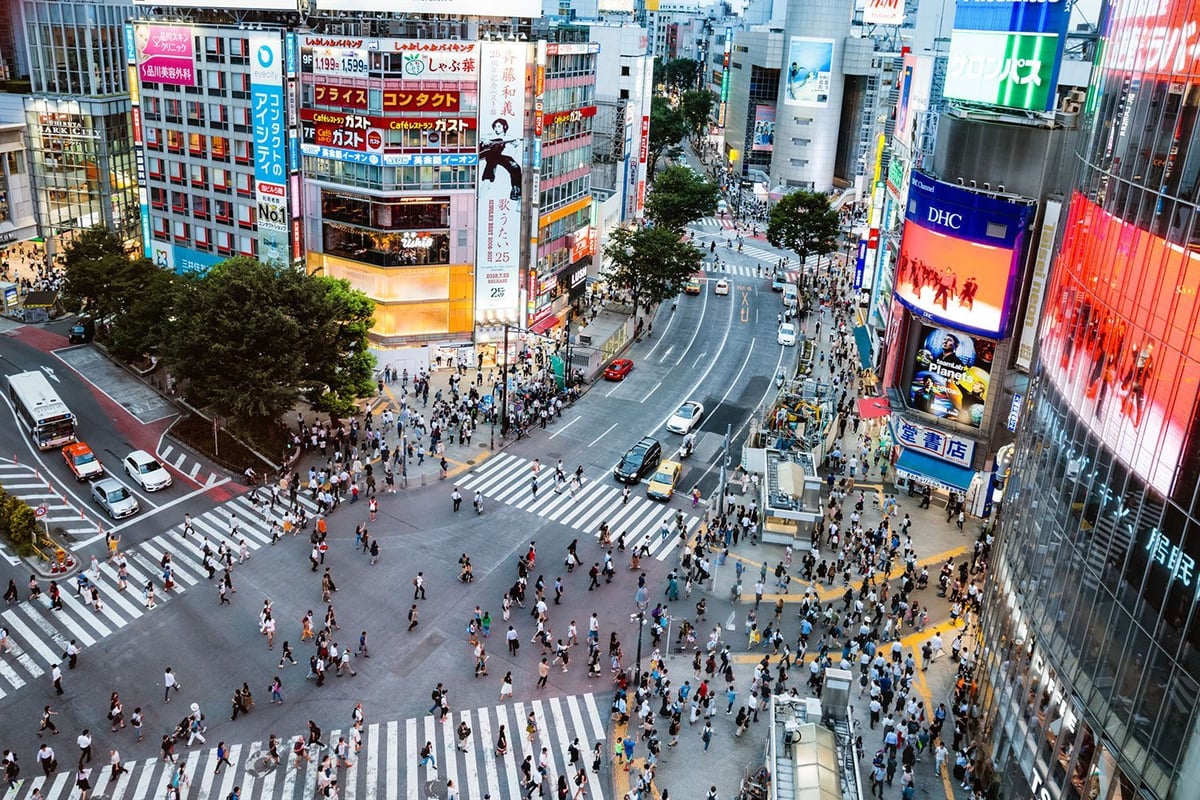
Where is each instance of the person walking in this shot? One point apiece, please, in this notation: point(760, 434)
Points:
point(170, 683)
point(455, 497)
point(84, 740)
point(412, 617)
point(419, 586)
point(47, 724)
point(56, 678)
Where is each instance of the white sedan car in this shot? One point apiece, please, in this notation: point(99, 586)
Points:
point(686, 417)
point(144, 468)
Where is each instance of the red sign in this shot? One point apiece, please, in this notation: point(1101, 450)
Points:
point(443, 124)
point(339, 96)
point(574, 115)
point(644, 150)
point(873, 239)
point(581, 242)
point(394, 100)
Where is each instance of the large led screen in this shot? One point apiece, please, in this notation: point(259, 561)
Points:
point(951, 375)
point(960, 256)
point(1120, 338)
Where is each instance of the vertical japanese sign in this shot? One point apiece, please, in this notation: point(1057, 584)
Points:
point(270, 147)
point(139, 143)
point(502, 71)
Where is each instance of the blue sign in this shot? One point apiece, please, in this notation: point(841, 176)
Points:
point(1015, 16)
point(130, 45)
point(860, 264)
point(270, 121)
point(392, 159)
point(964, 214)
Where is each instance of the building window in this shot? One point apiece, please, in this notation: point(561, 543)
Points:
point(158, 198)
point(224, 210)
point(239, 51)
point(241, 119)
point(244, 185)
point(183, 233)
point(160, 229)
point(624, 72)
point(153, 138)
point(195, 111)
point(199, 176)
point(174, 111)
point(199, 207)
point(179, 202)
point(221, 180)
point(203, 238)
point(243, 151)
point(224, 243)
point(241, 85)
point(245, 217)
point(219, 148)
point(177, 174)
point(156, 168)
point(174, 141)
point(624, 94)
point(197, 144)
point(248, 246)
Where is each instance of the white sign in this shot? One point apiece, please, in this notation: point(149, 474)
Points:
point(946, 446)
point(502, 69)
point(1037, 285)
point(884, 12)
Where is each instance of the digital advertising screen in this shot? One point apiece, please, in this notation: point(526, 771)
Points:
point(764, 128)
point(1120, 338)
point(952, 375)
point(960, 256)
point(809, 67)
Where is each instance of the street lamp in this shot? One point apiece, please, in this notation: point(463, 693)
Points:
point(642, 598)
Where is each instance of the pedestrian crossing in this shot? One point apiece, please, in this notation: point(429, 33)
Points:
point(190, 465)
point(27, 484)
point(714, 222)
point(506, 478)
point(742, 271)
point(38, 635)
point(387, 767)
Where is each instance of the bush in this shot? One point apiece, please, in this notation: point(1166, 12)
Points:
point(18, 524)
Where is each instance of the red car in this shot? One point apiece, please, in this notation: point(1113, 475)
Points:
point(618, 369)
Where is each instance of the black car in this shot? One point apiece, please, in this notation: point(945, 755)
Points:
point(82, 332)
point(640, 461)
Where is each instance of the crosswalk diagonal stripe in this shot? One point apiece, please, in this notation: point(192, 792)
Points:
point(24, 613)
point(370, 751)
point(392, 755)
point(411, 750)
point(486, 749)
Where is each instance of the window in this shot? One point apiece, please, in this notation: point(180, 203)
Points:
point(183, 232)
point(624, 94)
point(239, 51)
point(224, 243)
point(624, 72)
point(221, 180)
point(248, 246)
point(215, 79)
point(197, 144)
point(245, 186)
point(245, 215)
point(177, 174)
point(224, 210)
point(195, 110)
point(160, 229)
point(151, 108)
point(158, 198)
point(203, 238)
point(241, 120)
point(218, 115)
point(214, 46)
point(156, 168)
point(199, 207)
point(174, 141)
point(240, 84)
point(153, 138)
point(243, 152)
point(179, 202)
point(219, 148)
point(199, 176)
point(174, 111)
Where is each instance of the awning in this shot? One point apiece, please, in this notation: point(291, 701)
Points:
point(872, 407)
point(932, 471)
point(862, 338)
point(544, 324)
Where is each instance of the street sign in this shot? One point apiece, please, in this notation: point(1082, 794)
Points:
point(40, 511)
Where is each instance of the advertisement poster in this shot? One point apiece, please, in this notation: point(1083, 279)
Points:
point(270, 147)
point(951, 375)
point(960, 256)
point(884, 12)
point(498, 244)
point(1118, 338)
point(764, 128)
point(1013, 70)
point(810, 64)
point(165, 54)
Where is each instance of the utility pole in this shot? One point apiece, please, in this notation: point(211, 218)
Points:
point(504, 388)
point(724, 470)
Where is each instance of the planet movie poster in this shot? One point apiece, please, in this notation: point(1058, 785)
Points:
point(951, 376)
point(809, 68)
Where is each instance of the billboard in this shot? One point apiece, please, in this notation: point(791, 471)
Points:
point(165, 54)
point(240, 5)
point(764, 128)
point(960, 256)
point(1037, 283)
point(1013, 70)
point(1153, 39)
point(952, 373)
point(502, 69)
point(810, 65)
point(270, 147)
point(1119, 338)
point(1007, 53)
point(479, 8)
point(421, 59)
point(884, 12)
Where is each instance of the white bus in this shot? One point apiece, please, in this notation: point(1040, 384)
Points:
point(49, 422)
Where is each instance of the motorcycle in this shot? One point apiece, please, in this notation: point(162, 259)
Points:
point(779, 380)
point(688, 446)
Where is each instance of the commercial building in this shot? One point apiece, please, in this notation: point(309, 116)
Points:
point(76, 113)
point(439, 163)
point(1089, 675)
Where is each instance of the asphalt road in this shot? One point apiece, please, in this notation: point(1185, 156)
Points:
point(719, 350)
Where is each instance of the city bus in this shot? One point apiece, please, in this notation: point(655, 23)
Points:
point(49, 422)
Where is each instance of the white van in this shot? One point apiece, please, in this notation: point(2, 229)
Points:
point(791, 297)
point(722, 206)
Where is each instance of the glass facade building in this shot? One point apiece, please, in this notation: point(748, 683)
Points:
point(81, 142)
point(1090, 672)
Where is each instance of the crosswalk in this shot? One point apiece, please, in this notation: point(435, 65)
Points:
point(38, 635)
point(386, 768)
point(27, 484)
point(506, 478)
point(190, 465)
point(714, 222)
point(742, 271)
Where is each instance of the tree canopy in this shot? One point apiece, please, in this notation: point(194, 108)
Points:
point(667, 129)
point(679, 196)
point(652, 263)
point(248, 337)
point(677, 75)
point(695, 106)
point(805, 223)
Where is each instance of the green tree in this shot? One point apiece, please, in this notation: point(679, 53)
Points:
point(667, 129)
point(94, 270)
point(679, 196)
point(247, 337)
point(695, 106)
point(678, 74)
point(805, 223)
point(652, 263)
point(141, 324)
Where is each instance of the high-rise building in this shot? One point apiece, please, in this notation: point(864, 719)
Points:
point(440, 163)
point(1090, 670)
point(77, 114)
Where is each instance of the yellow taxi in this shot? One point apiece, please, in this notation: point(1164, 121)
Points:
point(662, 482)
point(692, 286)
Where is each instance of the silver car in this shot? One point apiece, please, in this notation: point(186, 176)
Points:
point(114, 498)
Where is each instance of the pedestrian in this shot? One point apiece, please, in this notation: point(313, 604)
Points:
point(707, 734)
point(72, 654)
point(455, 496)
point(45, 757)
point(222, 758)
point(427, 757)
point(56, 678)
point(543, 673)
point(464, 735)
point(169, 683)
point(47, 723)
point(419, 586)
point(83, 782)
point(506, 686)
point(277, 689)
point(412, 617)
point(287, 655)
point(136, 720)
point(84, 740)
